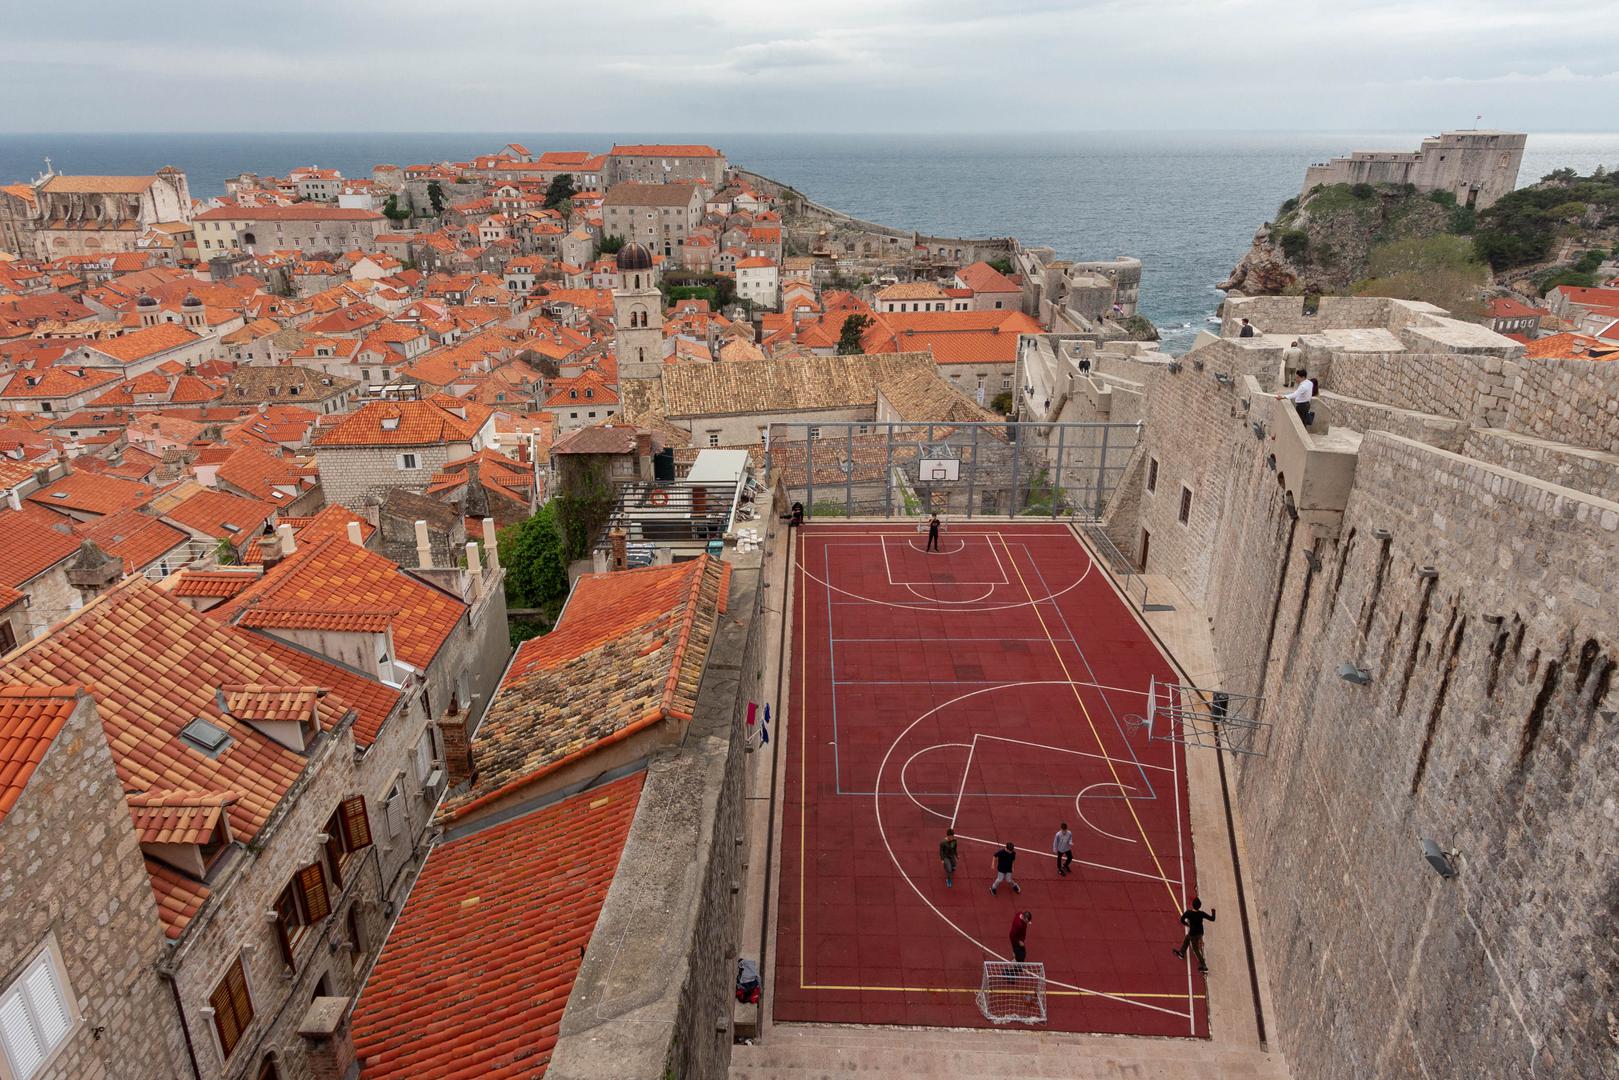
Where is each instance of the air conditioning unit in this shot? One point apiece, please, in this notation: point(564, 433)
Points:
point(434, 781)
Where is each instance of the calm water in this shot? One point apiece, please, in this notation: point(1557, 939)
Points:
point(1186, 204)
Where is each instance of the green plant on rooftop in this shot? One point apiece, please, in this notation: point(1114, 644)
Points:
point(849, 343)
point(1001, 265)
point(584, 503)
point(611, 244)
point(393, 211)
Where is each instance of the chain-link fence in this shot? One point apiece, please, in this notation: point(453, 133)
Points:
point(872, 469)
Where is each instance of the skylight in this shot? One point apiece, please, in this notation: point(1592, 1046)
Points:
point(205, 736)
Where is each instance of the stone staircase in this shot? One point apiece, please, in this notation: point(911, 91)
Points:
point(835, 1052)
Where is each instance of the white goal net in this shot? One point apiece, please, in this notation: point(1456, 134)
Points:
point(1013, 993)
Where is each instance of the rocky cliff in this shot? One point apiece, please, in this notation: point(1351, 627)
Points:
point(1322, 243)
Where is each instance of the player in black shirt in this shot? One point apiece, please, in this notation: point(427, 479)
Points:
point(1004, 857)
point(1193, 919)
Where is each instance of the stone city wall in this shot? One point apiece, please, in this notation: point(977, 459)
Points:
point(1487, 726)
point(1337, 411)
point(654, 995)
point(1572, 401)
point(1590, 471)
point(1471, 388)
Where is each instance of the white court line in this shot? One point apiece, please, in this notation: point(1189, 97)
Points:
point(986, 595)
point(1080, 810)
point(883, 832)
point(972, 748)
point(1090, 565)
point(1081, 862)
point(1180, 855)
point(907, 787)
point(888, 571)
point(953, 551)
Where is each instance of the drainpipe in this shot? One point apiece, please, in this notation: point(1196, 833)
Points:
point(185, 1030)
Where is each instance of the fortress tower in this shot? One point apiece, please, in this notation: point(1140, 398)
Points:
point(638, 315)
point(1478, 167)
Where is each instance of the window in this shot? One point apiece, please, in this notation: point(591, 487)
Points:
point(347, 831)
point(713, 438)
point(815, 433)
point(36, 1015)
point(1006, 382)
point(232, 1006)
point(1186, 504)
point(304, 902)
point(1152, 475)
point(409, 461)
point(394, 810)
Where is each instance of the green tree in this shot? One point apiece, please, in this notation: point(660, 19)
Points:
point(393, 211)
point(531, 552)
point(1002, 265)
point(560, 191)
point(854, 326)
point(1002, 402)
point(611, 245)
point(435, 195)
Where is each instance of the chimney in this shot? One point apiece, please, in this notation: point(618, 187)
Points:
point(598, 562)
point(12, 500)
point(490, 547)
point(328, 1039)
point(457, 753)
point(424, 547)
point(355, 536)
point(619, 559)
point(475, 568)
point(643, 454)
point(289, 546)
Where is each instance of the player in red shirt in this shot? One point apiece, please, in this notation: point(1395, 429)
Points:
point(1020, 931)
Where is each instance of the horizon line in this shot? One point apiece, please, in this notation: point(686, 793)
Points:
point(807, 134)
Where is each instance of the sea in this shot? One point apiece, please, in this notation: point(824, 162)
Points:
point(1185, 203)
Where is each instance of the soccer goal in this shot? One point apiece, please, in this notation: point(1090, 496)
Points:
point(1013, 993)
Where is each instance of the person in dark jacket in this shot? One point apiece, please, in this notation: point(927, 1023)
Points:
point(933, 533)
point(1193, 919)
point(1004, 858)
point(947, 857)
point(1020, 934)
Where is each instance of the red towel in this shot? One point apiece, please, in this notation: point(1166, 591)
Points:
point(751, 708)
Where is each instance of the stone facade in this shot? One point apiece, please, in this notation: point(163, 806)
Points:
point(92, 215)
point(1479, 598)
point(1478, 167)
point(353, 476)
point(72, 879)
point(305, 227)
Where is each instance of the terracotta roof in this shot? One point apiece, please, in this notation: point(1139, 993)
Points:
point(30, 547)
point(179, 898)
point(1570, 347)
point(406, 423)
point(960, 337)
point(628, 651)
point(1505, 307)
point(318, 617)
point(140, 344)
point(478, 969)
point(57, 381)
point(169, 816)
point(96, 185)
point(211, 584)
point(330, 521)
point(371, 701)
point(630, 193)
point(30, 717)
point(223, 515)
point(295, 212)
point(261, 474)
point(664, 150)
point(271, 703)
point(91, 494)
point(332, 571)
point(598, 439)
point(755, 386)
point(981, 277)
point(757, 262)
point(134, 537)
point(911, 290)
point(155, 665)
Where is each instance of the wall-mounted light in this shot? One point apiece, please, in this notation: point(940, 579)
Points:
point(1382, 534)
point(1259, 429)
point(1314, 560)
point(1354, 673)
point(1427, 572)
point(1440, 859)
point(1223, 379)
point(1174, 367)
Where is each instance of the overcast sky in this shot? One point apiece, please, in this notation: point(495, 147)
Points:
point(815, 66)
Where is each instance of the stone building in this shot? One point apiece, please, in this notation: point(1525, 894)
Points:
point(398, 443)
point(1478, 167)
point(659, 216)
point(33, 574)
point(306, 227)
point(76, 989)
point(637, 315)
point(664, 164)
point(89, 215)
point(1382, 580)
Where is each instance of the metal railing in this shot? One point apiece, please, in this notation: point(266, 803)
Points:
point(663, 512)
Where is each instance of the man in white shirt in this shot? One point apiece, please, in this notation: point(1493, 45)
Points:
point(1302, 395)
point(1062, 846)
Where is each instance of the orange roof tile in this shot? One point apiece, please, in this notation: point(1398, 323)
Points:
point(30, 547)
point(318, 617)
point(332, 571)
point(271, 703)
point(407, 423)
point(30, 717)
point(57, 381)
point(91, 494)
point(207, 584)
point(179, 898)
point(177, 817)
point(139, 344)
point(663, 150)
point(479, 967)
point(223, 515)
point(371, 701)
point(134, 537)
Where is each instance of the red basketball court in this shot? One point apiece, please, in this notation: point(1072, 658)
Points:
point(986, 687)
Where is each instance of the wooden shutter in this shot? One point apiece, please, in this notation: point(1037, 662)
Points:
point(356, 825)
point(312, 883)
point(233, 1008)
point(286, 918)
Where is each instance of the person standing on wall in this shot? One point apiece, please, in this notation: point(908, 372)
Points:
point(947, 857)
point(1193, 919)
point(1247, 329)
point(933, 533)
point(1062, 846)
point(1020, 934)
point(1302, 394)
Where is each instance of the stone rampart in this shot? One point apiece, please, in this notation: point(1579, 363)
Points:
point(1571, 401)
point(1475, 389)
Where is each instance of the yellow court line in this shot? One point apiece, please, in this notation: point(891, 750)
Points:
point(1129, 804)
point(974, 990)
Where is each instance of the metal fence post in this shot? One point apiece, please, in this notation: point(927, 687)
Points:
point(1017, 454)
point(1056, 483)
point(809, 472)
point(888, 474)
point(972, 473)
point(848, 477)
point(1101, 473)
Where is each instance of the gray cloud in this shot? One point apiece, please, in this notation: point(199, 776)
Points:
point(933, 65)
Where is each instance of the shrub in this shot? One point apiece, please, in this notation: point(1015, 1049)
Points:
point(1001, 402)
point(1362, 191)
point(1294, 243)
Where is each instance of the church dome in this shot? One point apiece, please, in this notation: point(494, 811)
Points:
point(634, 257)
point(191, 301)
